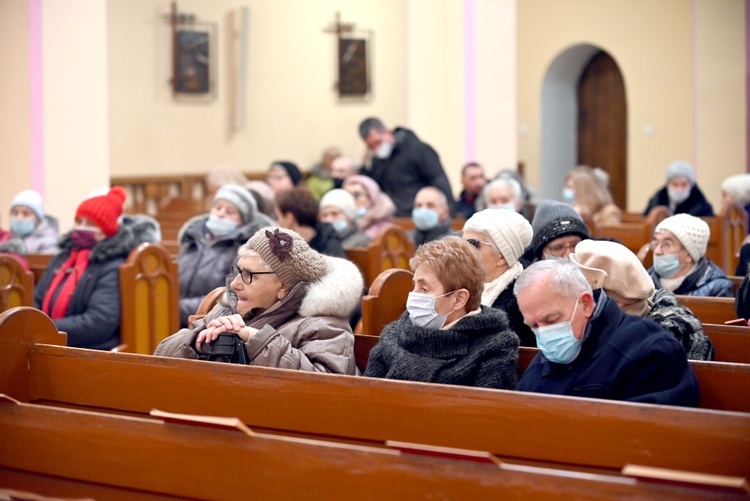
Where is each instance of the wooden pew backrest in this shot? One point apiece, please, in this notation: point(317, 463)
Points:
point(38, 264)
point(16, 284)
point(731, 342)
point(710, 310)
point(391, 248)
point(386, 300)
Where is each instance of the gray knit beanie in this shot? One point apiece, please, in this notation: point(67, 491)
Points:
point(288, 255)
point(680, 168)
point(240, 198)
point(554, 220)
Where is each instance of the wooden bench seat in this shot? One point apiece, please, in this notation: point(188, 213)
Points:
point(71, 453)
point(517, 427)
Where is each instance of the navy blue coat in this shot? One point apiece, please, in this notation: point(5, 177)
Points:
point(623, 357)
point(93, 316)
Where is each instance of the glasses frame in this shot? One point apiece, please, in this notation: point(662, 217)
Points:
point(475, 242)
point(236, 270)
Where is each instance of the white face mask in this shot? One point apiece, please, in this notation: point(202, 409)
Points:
point(384, 150)
point(508, 206)
point(678, 196)
point(422, 313)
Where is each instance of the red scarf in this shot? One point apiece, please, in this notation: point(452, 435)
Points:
point(71, 271)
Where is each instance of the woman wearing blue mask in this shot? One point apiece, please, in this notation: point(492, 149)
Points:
point(80, 291)
point(33, 231)
point(446, 335)
point(337, 208)
point(209, 243)
point(680, 262)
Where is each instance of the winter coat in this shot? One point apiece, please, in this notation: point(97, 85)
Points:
point(695, 205)
point(411, 166)
point(377, 217)
point(93, 316)
point(507, 302)
point(742, 300)
point(706, 279)
point(442, 230)
point(353, 237)
point(307, 330)
point(204, 262)
point(145, 228)
point(327, 241)
point(607, 215)
point(479, 350)
point(682, 323)
point(43, 240)
point(466, 206)
point(743, 266)
point(623, 357)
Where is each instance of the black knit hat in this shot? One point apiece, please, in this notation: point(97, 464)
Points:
point(292, 170)
point(553, 220)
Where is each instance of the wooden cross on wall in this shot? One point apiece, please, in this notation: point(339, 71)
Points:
point(353, 73)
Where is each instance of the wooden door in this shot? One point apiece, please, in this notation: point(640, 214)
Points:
point(602, 123)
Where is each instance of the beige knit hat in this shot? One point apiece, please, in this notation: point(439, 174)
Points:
point(614, 268)
point(738, 186)
point(510, 231)
point(692, 232)
point(288, 255)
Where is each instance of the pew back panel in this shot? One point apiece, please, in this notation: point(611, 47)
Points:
point(391, 248)
point(710, 310)
point(731, 342)
point(16, 284)
point(38, 264)
point(386, 300)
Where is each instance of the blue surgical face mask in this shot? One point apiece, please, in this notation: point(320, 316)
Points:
point(667, 265)
point(220, 227)
point(21, 227)
point(424, 218)
point(422, 313)
point(361, 211)
point(557, 341)
point(568, 195)
point(554, 258)
point(340, 226)
point(508, 206)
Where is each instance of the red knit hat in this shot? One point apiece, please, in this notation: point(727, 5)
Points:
point(104, 211)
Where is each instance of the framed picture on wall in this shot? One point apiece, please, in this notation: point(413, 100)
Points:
point(192, 62)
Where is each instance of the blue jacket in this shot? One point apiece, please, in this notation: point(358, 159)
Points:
point(706, 279)
point(623, 357)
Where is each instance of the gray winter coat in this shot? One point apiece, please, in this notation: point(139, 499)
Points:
point(682, 323)
point(43, 240)
point(204, 261)
point(307, 330)
point(353, 237)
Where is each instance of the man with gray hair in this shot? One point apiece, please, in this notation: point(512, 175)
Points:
point(591, 348)
point(401, 164)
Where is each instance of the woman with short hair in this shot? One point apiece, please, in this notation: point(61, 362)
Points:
point(289, 304)
point(446, 335)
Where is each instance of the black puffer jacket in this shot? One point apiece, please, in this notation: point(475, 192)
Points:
point(204, 262)
point(411, 166)
point(93, 316)
point(695, 205)
point(479, 350)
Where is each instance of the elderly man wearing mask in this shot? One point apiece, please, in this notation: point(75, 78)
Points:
point(615, 269)
point(501, 236)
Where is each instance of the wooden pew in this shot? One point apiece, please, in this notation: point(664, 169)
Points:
point(517, 427)
point(149, 298)
point(16, 284)
point(391, 248)
point(736, 281)
point(38, 264)
point(119, 457)
point(731, 342)
point(386, 300)
point(710, 310)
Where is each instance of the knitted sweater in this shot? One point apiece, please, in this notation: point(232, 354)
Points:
point(479, 350)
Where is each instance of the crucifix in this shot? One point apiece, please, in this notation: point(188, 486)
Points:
point(353, 73)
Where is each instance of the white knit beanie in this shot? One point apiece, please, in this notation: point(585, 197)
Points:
point(680, 168)
point(31, 199)
point(738, 187)
point(692, 232)
point(614, 268)
point(510, 231)
point(341, 199)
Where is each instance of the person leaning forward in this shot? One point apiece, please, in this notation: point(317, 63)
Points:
point(289, 304)
point(591, 348)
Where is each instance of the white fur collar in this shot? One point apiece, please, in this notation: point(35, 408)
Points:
point(337, 294)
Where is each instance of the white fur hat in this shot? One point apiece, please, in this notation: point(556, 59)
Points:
point(738, 187)
point(341, 199)
point(510, 231)
point(692, 232)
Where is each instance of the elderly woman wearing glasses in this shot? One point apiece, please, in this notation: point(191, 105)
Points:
point(501, 235)
point(289, 304)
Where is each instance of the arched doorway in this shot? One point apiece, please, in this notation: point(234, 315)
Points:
point(562, 105)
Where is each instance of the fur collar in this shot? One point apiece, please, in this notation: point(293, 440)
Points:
point(337, 294)
point(118, 245)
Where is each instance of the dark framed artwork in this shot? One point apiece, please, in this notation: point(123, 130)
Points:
point(354, 74)
point(192, 62)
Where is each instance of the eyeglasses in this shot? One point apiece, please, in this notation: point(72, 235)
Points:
point(357, 194)
point(247, 275)
point(559, 250)
point(667, 246)
point(476, 242)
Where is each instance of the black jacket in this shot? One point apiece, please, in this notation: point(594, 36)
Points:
point(411, 166)
point(695, 205)
point(93, 316)
point(464, 206)
point(623, 357)
point(507, 302)
point(327, 241)
point(480, 350)
point(442, 230)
